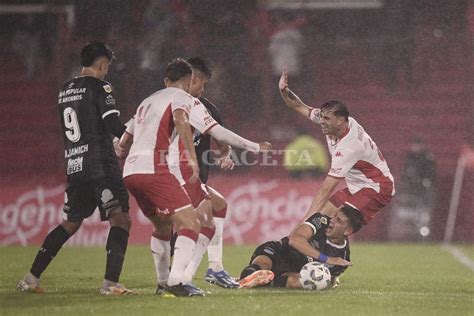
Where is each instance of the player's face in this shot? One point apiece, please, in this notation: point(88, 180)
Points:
point(198, 83)
point(330, 124)
point(338, 226)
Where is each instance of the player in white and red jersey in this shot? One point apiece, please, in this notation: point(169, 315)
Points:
point(355, 157)
point(159, 119)
point(205, 199)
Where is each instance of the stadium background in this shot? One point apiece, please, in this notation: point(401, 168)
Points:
point(405, 69)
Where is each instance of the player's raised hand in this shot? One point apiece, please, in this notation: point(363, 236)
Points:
point(337, 261)
point(265, 146)
point(283, 83)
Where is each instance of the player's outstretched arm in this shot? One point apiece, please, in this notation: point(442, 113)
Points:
point(223, 135)
point(322, 196)
point(183, 128)
point(290, 98)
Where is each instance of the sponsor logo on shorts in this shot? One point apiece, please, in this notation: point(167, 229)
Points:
point(338, 154)
point(106, 196)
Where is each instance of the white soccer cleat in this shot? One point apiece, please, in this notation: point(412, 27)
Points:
point(117, 289)
point(24, 286)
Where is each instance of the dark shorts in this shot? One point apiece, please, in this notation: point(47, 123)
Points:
point(275, 251)
point(82, 199)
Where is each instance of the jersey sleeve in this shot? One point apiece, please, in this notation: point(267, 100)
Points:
point(106, 101)
point(318, 223)
point(200, 118)
point(314, 115)
point(342, 161)
point(212, 110)
point(130, 126)
point(181, 101)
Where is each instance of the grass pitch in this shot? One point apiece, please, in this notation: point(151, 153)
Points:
point(386, 279)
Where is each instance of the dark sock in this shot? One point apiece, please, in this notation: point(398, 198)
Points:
point(50, 247)
point(279, 281)
point(116, 248)
point(248, 270)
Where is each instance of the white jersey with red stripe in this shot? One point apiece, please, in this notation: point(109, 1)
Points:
point(201, 122)
point(153, 131)
point(357, 158)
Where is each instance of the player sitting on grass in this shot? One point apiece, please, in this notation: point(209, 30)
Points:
point(278, 263)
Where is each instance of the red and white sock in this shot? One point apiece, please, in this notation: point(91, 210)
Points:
point(183, 250)
point(160, 251)
point(214, 250)
point(201, 246)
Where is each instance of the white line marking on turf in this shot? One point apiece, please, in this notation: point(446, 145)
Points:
point(459, 256)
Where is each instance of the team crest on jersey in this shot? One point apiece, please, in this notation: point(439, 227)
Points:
point(324, 220)
point(107, 88)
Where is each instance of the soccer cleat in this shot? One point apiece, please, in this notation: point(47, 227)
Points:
point(117, 289)
point(23, 286)
point(160, 290)
point(335, 282)
point(258, 278)
point(221, 278)
point(180, 290)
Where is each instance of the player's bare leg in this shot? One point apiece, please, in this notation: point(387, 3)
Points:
point(49, 249)
point(204, 213)
point(215, 273)
point(116, 247)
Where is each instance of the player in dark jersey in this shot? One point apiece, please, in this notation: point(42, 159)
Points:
point(89, 116)
point(215, 273)
point(318, 238)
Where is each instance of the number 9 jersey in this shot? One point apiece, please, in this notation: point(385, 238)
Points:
point(83, 104)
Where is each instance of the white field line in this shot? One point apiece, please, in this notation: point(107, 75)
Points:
point(459, 256)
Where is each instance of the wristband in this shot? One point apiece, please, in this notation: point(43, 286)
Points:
point(322, 257)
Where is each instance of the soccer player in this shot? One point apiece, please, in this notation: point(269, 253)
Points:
point(159, 119)
point(88, 116)
point(278, 263)
point(200, 119)
point(205, 118)
point(354, 157)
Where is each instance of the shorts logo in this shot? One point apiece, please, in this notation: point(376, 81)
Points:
point(338, 154)
point(106, 196)
point(107, 88)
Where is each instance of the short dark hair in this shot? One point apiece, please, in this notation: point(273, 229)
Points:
point(355, 217)
point(94, 50)
point(177, 69)
point(201, 65)
point(337, 107)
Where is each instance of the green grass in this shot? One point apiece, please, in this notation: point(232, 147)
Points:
point(386, 279)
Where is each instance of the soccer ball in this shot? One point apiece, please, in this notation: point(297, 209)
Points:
point(315, 276)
